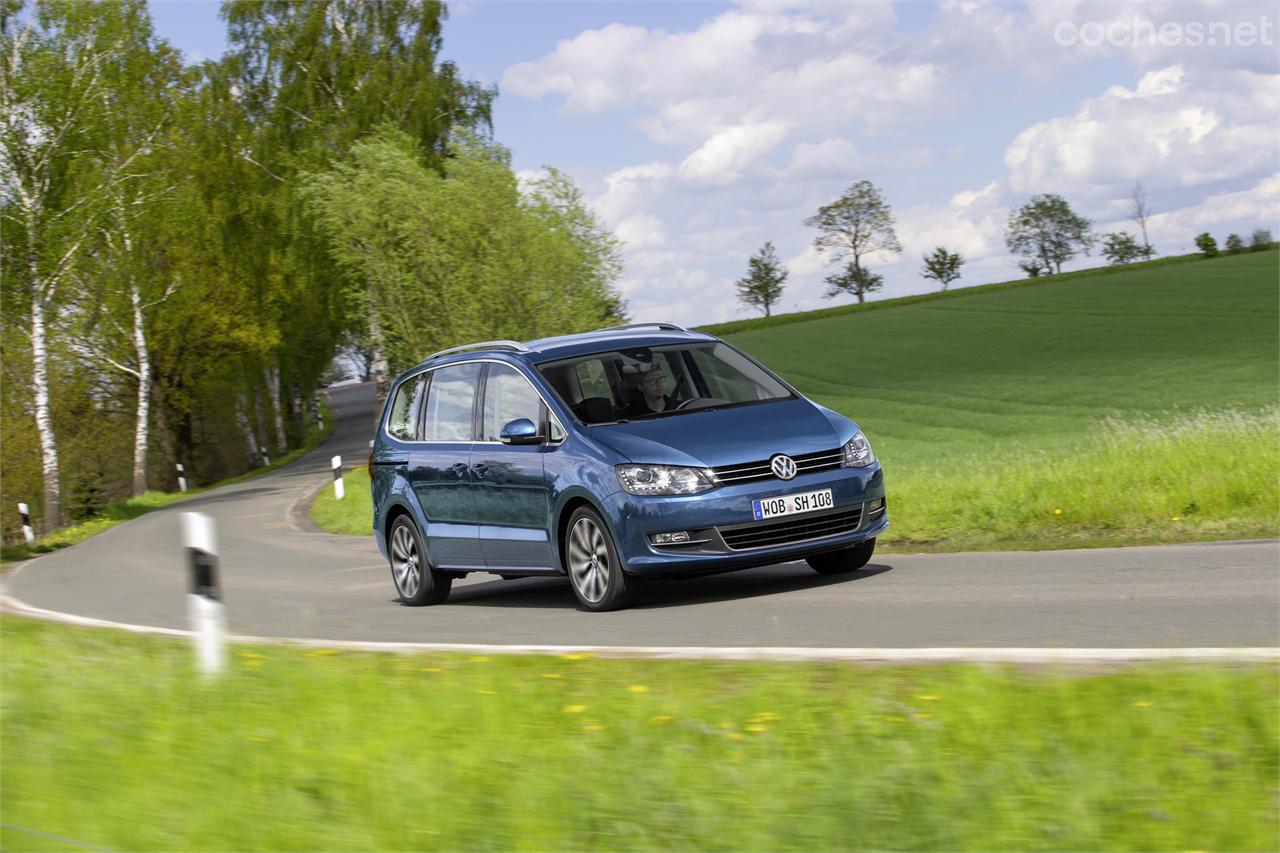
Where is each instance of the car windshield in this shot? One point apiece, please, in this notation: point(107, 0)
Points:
point(653, 382)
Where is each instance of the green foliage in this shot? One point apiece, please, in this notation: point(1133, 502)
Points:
point(765, 279)
point(441, 258)
point(853, 280)
point(1206, 244)
point(1260, 240)
point(307, 749)
point(1234, 244)
point(353, 515)
point(1120, 247)
point(1047, 231)
point(942, 266)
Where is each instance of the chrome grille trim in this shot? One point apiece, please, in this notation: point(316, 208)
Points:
point(751, 472)
point(791, 531)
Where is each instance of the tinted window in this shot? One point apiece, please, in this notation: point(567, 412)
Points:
point(507, 396)
point(449, 401)
point(400, 423)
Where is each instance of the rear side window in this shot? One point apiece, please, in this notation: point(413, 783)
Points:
point(404, 408)
point(449, 403)
point(507, 396)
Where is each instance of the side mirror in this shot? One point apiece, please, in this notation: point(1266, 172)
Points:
point(520, 431)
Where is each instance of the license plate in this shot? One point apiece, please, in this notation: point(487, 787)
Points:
point(791, 504)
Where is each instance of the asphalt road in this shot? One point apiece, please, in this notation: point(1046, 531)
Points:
point(284, 579)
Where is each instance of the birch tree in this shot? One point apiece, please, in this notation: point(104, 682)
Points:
point(857, 224)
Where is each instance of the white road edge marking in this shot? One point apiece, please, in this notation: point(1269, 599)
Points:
point(925, 655)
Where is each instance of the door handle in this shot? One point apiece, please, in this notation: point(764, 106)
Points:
point(459, 469)
point(479, 469)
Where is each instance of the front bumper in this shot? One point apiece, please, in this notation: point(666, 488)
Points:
point(717, 519)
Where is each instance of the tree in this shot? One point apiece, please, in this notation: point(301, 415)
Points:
point(763, 284)
point(1234, 244)
point(1206, 244)
point(1033, 268)
point(853, 279)
point(1260, 241)
point(1046, 228)
point(942, 266)
point(1139, 211)
point(1119, 247)
point(852, 227)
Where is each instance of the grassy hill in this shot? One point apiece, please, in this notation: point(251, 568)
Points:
point(1144, 372)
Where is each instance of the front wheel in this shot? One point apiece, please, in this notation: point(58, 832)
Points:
point(415, 580)
point(846, 560)
point(595, 571)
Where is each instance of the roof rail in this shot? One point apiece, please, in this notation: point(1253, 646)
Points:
point(668, 326)
point(511, 345)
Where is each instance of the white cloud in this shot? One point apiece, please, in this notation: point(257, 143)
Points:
point(722, 158)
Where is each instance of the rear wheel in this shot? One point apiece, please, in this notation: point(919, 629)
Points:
point(846, 560)
point(595, 571)
point(415, 580)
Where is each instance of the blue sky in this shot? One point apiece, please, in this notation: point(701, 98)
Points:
point(700, 130)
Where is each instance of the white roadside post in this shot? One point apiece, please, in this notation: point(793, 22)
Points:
point(182, 479)
point(266, 460)
point(28, 534)
point(339, 489)
point(205, 610)
point(315, 405)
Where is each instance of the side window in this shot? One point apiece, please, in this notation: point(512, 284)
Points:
point(449, 401)
point(591, 379)
point(507, 396)
point(405, 408)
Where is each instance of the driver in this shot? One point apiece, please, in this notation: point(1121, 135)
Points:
point(650, 399)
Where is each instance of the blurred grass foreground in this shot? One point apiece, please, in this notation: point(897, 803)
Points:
point(111, 740)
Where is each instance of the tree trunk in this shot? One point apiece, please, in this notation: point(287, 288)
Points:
point(380, 370)
point(272, 375)
point(242, 418)
point(142, 430)
point(44, 422)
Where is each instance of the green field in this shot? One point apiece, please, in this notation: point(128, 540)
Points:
point(305, 750)
point(1052, 397)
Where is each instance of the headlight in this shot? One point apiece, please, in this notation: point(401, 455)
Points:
point(663, 480)
point(857, 453)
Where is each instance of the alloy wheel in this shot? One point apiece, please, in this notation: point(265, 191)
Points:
point(405, 565)
point(589, 560)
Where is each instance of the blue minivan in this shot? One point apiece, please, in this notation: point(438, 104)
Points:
point(612, 456)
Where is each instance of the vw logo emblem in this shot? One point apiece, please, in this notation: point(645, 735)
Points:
point(784, 467)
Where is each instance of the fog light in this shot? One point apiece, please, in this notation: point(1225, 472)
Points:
point(674, 538)
point(875, 505)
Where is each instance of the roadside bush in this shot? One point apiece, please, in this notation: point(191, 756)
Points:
point(1234, 244)
point(1206, 244)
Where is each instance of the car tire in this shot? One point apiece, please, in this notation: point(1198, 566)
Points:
point(411, 572)
point(846, 560)
point(592, 563)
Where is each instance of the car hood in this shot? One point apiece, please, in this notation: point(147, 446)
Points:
point(711, 438)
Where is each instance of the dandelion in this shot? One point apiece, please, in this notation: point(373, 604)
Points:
point(479, 658)
point(252, 655)
point(574, 709)
point(725, 725)
point(1057, 510)
point(764, 717)
point(487, 692)
point(660, 719)
point(432, 669)
point(755, 728)
point(1176, 518)
point(637, 688)
point(735, 735)
point(594, 727)
point(322, 653)
point(578, 655)
point(552, 675)
point(1141, 704)
point(927, 697)
point(924, 716)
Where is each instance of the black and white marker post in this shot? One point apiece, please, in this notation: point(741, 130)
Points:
point(266, 460)
point(28, 533)
point(182, 479)
point(339, 490)
point(205, 610)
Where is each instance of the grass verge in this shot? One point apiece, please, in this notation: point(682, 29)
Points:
point(119, 511)
point(296, 749)
point(353, 515)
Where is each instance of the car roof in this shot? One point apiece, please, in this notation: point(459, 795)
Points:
point(568, 346)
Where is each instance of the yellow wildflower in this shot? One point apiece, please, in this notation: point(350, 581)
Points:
point(578, 655)
point(659, 720)
point(320, 653)
point(552, 675)
point(432, 669)
point(637, 688)
point(479, 658)
point(927, 697)
point(1141, 704)
point(1057, 510)
point(487, 692)
point(755, 728)
point(574, 709)
point(594, 727)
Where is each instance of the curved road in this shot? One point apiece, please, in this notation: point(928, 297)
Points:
point(282, 578)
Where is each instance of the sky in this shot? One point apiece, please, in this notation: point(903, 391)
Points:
point(700, 130)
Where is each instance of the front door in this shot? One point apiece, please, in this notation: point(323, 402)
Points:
point(510, 483)
point(439, 468)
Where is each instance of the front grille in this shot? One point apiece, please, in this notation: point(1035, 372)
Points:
point(763, 534)
point(755, 472)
